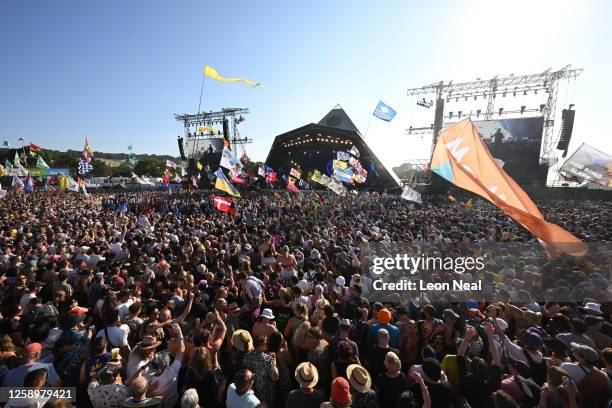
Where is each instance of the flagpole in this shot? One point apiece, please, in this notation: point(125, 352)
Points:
point(201, 93)
point(368, 127)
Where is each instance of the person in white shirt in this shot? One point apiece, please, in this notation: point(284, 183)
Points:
point(162, 374)
point(125, 301)
point(116, 333)
point(240, 393)
point(104, 391)
point(33, 291)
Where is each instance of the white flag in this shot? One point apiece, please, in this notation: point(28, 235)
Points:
point(17, 182)
point(230, 161)
point(411, 195)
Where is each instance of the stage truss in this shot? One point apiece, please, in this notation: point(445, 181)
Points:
point(228, 118)
point(546, 81)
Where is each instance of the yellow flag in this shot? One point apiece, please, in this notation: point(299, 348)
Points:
point(469, 203)
point(199, 165)
point(316, 176)
point(211, 72)
point(340, 164)
point(63, 181)
point(1, 170)
point(205, 129)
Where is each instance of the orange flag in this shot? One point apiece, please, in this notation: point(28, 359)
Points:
point(462, 157)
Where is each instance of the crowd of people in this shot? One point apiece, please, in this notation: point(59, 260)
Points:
point(157, 299)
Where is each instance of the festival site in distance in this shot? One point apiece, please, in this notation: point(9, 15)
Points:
point(428, 228)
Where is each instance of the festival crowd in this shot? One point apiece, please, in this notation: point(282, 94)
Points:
point(155, 299)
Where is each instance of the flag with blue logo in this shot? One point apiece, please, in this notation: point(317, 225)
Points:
point(384, 112)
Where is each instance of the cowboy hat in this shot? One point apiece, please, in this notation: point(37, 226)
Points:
point(306, 375)
point(148, 342)
point(359, 377)
point(242, 340)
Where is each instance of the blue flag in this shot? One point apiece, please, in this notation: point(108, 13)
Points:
point(384, 112)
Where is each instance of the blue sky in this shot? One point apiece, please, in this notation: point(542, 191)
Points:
point(117, 71)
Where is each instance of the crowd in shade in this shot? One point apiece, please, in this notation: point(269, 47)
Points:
point(155, 299)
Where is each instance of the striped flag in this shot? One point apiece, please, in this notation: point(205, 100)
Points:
point(171, 164)
point(84, 167)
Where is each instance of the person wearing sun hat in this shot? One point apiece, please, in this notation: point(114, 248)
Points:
point(363, 395)
point(242, 341)
point(307, 377)
point(391, 383)
point(340, 394)
point(592, 382)
point(142, 354)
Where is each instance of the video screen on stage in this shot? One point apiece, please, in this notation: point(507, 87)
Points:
point(515, 143)
point(198, 147)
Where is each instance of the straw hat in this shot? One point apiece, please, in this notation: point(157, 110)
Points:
point(242, 340)
point(148, 342)
point(392, 362)
point(359, 377)
point(306, 375)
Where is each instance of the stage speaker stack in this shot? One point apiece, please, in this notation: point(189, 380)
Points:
point(567, 125)
point(181, 148)
point(226, 132)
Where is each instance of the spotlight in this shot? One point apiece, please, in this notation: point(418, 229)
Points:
point(450, 115)
point(504, 94)
point(466, 98)
point(478, 112)
point(459, 114)
point(501, 110)
point(535, 92)
point(456, 99)
point(524, 92)
point(475, 97)
point(522, 109)
point(542, 106)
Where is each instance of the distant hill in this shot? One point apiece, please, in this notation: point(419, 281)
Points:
point(115, 159)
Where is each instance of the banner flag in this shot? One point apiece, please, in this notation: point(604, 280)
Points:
point(411, 194)
point(34, 148)
point(291, 185)
point(346, 176)
point(325, 180)
point(590, 164)
point(295, 173)
point(344, 156)
point(230, 161)
point(316, 176)
point(339, 165)
point(272, 177)
point(17, 183)
point(224, 204)
point(384, 112)
point(40, 163)
point(336, 187)
point(224, 184)
point(462, 157)
point(212, 73)
point(171, 164)
point(354, 151)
